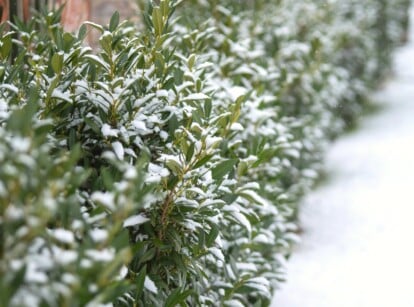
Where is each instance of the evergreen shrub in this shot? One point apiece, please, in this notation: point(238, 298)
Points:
point(164, 168)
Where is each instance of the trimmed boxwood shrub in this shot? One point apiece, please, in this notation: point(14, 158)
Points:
point(165, 167)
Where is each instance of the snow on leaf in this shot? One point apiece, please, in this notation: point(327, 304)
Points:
point(60, 95)
point(150, 285)
point(310, 173)
point(236, 127)
point(35, 276)
point(236, 92)
point(98, 235)
point(106, 199)
point(62, 235)
point(217, 253)
point(242, 220)
point(10, 87)
point(105, 255)
point(119, 150)
point(254, 197)
point(135, 220)
point(244, 266)
point(196, 96)
point(108, 131)
point(261, 238)
point(140, 125)
point(233, 303)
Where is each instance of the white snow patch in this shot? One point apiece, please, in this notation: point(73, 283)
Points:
point(106, 199)
point(196, 96)
point(150, 285)
point(108, 131)
point(135, 220)
point(62, 235)
point(98, 235)
point(105, 255)
point(119, 150)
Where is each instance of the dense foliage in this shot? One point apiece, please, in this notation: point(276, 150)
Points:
point(165, 167)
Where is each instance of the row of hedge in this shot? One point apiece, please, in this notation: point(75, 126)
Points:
point(165, 168)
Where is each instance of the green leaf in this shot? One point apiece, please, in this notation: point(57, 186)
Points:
point(82, 32)
point(72, 138)
point(207, 108)
point(177, 297)
point(113, 23)
point(139, 282)
point(212, 235)
point(190, 153)
point(157, 21)
point(57, 62)
point(148, 255)
point(191, 61)
point(203, 161)
point(6, 45)
point(223, 168)
point(92, 124)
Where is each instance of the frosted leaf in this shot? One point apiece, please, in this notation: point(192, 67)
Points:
point(212, 142)
point(172, 162)
point(35, 276)
point(123, 272)
point(236, 92)
point(60, 95)
point(140, 125)
point(244, 70)
point(162, 94)
point(196, 96)
point(310, 173)
point(244, 266)
point(251, 185)
point(135, 220)
point(261, 238)
point(259, 283)
point(242, 220)
point(13, 213)
point(260, 280)
point(196, 190)
point(192, 225)
point(63, 256)
point(62, 235)
point(10, 87)
point(156, 173)
point(98, 235)
point(131, 173)
point(69, 278)
point(294, 153)
point(150, 285)
point(86, 263)
point(253, 196)
point(20, 144)
point(108, 131)
point(217, 253)
point(97, 60)
point(233, 303)
point(100, 255)
point(236, 127)
point(130, 152)
point(119, 150)
point(163, 135)
point(106, 199)
point(212, 202)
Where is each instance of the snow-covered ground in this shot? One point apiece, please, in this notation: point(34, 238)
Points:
point(357, 248)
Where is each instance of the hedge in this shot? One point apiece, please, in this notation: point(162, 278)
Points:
point(165, 167)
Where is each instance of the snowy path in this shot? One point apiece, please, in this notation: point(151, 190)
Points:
point(357, 248)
